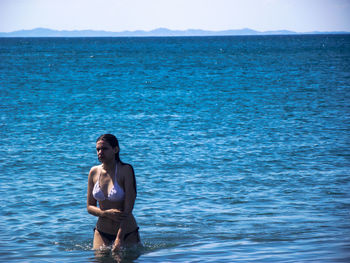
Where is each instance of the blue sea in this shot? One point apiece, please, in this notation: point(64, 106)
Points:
point(240, 146)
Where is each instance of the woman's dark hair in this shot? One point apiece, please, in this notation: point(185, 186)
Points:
point(113, 141)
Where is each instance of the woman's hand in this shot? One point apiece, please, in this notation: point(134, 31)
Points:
point(114, 214)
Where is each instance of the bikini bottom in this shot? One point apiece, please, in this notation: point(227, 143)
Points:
point(111, 238)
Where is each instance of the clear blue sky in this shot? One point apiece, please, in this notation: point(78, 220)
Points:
point(120, 15)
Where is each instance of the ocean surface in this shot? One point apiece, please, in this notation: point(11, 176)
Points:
point(240, 146)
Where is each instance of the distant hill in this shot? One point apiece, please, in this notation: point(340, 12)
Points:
point(159, 32)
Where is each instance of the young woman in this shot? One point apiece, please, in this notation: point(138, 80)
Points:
point(112, 184)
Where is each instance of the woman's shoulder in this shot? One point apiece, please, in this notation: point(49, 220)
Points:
point(95, 169)
point(127, 168)
point(93, 174)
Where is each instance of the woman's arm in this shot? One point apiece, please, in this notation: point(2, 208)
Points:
point(130, 196)
point(91, 201)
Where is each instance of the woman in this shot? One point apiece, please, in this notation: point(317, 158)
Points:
point(113, 185)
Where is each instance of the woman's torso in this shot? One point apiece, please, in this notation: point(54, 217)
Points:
point(107, 186)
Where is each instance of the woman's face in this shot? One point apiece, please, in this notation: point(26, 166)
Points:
point(105, 151)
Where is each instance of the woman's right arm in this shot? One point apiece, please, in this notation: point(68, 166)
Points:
point(91, 201)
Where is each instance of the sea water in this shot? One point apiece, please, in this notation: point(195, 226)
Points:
point(240, 146)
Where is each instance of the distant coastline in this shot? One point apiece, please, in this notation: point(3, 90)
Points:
point(159, 32)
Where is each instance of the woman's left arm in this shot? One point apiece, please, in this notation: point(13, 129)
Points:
point(129, 201)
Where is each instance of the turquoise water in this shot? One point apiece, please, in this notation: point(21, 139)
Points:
point(240, 146)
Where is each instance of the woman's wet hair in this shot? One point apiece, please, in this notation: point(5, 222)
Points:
point(112, 140)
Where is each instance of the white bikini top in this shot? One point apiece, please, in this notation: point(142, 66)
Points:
point(116, 194)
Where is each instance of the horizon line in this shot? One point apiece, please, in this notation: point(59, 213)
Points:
point(170, 29)
point(160, 31)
